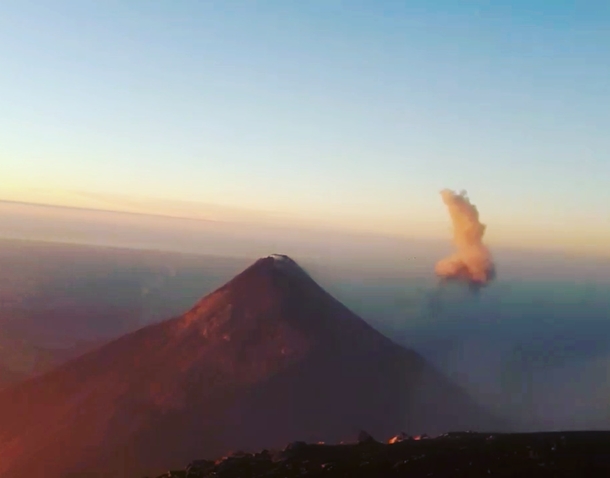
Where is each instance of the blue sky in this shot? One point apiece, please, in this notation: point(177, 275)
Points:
point(356, 113)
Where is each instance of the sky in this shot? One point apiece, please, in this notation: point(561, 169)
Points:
point(352, 115)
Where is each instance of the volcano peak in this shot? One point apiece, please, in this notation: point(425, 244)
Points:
point(279, 263)
point(281, 258)
point(282, 261)
point(267, 358)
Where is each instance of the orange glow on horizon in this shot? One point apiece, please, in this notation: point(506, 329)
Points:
point(579, 238)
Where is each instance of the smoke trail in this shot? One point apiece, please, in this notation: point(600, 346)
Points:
point(472, 262)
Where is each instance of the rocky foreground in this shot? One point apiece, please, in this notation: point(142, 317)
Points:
point(556, 454)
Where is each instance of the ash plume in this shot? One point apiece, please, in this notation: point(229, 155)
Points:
point(472, 261)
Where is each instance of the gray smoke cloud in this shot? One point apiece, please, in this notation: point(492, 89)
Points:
point(472, 261)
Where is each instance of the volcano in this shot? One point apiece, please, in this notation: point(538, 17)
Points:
point(268, 358)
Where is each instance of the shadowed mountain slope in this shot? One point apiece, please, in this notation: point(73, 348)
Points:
point(8, 377)
point(268, 358)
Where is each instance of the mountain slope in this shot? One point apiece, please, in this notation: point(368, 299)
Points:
point(8, 377)
point(268, 358)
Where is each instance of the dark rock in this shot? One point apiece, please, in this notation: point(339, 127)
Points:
point(174, 474)
point(470, 455)
point(365, 437)
point(295, 446)
point(199, 468)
